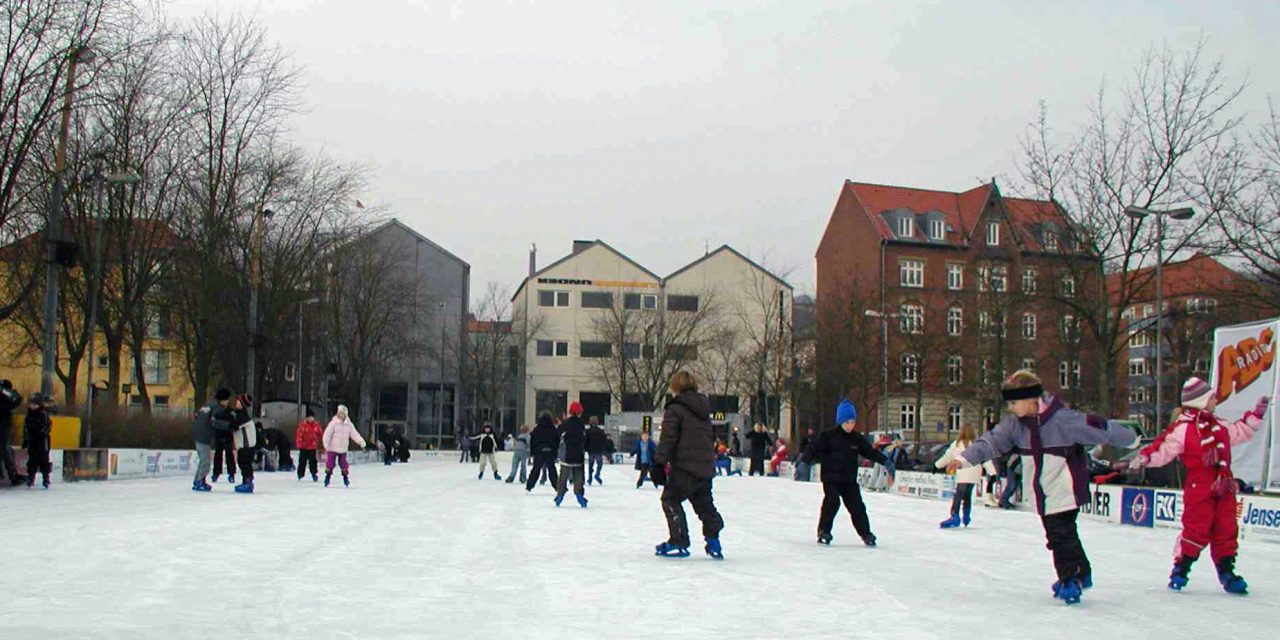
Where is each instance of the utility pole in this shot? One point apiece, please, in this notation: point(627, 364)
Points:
point(255, 280)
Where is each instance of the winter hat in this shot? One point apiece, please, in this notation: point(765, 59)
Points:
point(1196, 393)
point(846, 412)
point(575, 409)
point(222, 395)
point(342, 411)
point(246, 400)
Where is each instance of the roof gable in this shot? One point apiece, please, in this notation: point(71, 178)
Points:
point(726, 249)
point(395, 223)
point(579, 252)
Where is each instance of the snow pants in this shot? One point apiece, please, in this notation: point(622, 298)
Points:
point(245, 458)
point(567, 473)
point(306, 457)
point(222, 452)
point(681, 486)
point(1207, 521)
point(1069, 558)
point(341, 458)
point(644, 475)
point(544, 462)
point(38, 460)
point(833, 493)
point(202, 461)
point(488, 459)
point(757, 465)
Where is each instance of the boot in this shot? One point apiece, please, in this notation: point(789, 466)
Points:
point(1178, 578)
point(582, 501)
point(231, 478)
point(480, 476)
point(315, 477)
point(1231, 582)
point(824, 537)
point(496, 476)
point(215, 477)
point(713, 549)
point(869, 539)
point(990, 500)
point(46, 482)
point(328, 475)
point(965, 515)
point(559, 498)
point(950, 523)
point(668, 550)
point(1068, 590)
point(511, 480)
point(245, 487)
point(346, 480)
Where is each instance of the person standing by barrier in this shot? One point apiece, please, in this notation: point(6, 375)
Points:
point(804, 461)
point(688, 445)
point(337, 438)
point(573, 437)
point(760, 443)
point(838, 450)
point(488, 445)
point(966, 479)
point(1203, 442)
point(307, 439)
point(597, 440)
point(209, 420)
point(1050, 436)
point(10, 401)
point(544, 441)
point(644, 453)
point(520, 455)
point(37, 433)
point(779, 456)
point(464, 446)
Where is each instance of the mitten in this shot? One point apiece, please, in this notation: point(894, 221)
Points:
point(1261, 407)
point(658, 474)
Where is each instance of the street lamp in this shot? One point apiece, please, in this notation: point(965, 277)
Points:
point(298, 370)
point(77, 55)
point(1138, 213)
point(884, 363)
point(255, 274)
point(100, 180)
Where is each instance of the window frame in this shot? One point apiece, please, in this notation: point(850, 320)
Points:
point(993, 233)
point(909, 363)
point(937, 229)
point(673, 297)
point(557, 296)
point(911, 318)
point(911, 273)
point(955, 369)
point(906, 227)
point(955, 321)
point(1033, 325)
point(955, 276)
point(582, 299)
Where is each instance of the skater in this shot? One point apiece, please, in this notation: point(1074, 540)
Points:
point(724, 464)
point(804, 462)
point(223, 450)
point(337, 438)
point(307, 439)
point(10, 401)
point(244, 440)
point(779, 456)
point(962, 501)
point(464, 445)
point(209, 421)
point(520, 455)
point(1203, 443)
point(597, 440)
point(838, 450)
point(573, 437)
point(760, 443)
point(1049, 436)
point(388, 445)
point(544, 441)
point(488, 444)
point(36, 433)
point(689, 446)
point(644, 452)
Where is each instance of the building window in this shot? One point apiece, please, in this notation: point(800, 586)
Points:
point(1140, 339)
point(1070, 328)
point(955, 277)
point(682, 303)
point(555, 402)
point(1138, 367)
point(1148, 311)
point(597, 300)
point(1029, 326)
point(1075, 373)
point(595, 349)
point(955, 417)
point(937, 229)
point(553, 298)
point(1064, 371)
point(155, 367)
point(993, 279)
point(1050, 241)
point(103, 361)
point(1139, 396)
point(683, 353)
point(1201, 305)
point(160, 401)
point(912, 318)
point(993, 234)
point(1029, 364)
point(1028, 280)
point(646, 301)
point(912, 273)
point(955, 369)
point(907, 417)
point(955, 321)
point(513, 360)
point(990, 325)
point(906, 227)
point(1068, 286)
point(633, 351)
point(157, 324)
point(910, 368)
point(984, 371)
point(553, 348)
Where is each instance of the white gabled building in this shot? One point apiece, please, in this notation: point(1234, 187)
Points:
point(605, 331)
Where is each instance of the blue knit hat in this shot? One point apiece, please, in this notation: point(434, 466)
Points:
point(846, 412)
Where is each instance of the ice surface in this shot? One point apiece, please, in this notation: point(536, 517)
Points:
point(425, 550)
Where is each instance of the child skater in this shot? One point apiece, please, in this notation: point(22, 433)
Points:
point(962, 501)
point(688, 444)
point(1050, 437)
point(838, 450)
point(724, 464)
point(779, 456)
point(644, 453)
point(337, 438)
point(1203, 442)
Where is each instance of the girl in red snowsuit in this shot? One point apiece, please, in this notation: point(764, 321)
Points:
point(1203, 443)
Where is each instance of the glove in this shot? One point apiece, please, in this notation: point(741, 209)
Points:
point(658, 474)
point(1139, 462)
point(1261, 407)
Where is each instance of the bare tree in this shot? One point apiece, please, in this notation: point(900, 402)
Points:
point(848, 351)
point(1244, 185)
point(491, 356)
point(759, 319)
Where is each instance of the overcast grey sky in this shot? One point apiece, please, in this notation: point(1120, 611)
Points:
point(662, 127)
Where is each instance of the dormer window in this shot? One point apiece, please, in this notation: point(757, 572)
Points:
point(937, 229)
point(993, 234)
point(906, 227)
point(1050, 241)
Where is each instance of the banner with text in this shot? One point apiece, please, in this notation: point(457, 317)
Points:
point(1243, 371)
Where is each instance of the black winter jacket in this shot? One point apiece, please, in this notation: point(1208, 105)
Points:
point(544, 438)
point(10, 400)
point(838, 451)
point(488, 442)
point(760, 442)
point(36, 430)
point(597, 440)
point(575, 440)
point(687, 442)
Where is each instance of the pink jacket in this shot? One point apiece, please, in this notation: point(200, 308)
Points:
point(339, 434)
point(1174, 443)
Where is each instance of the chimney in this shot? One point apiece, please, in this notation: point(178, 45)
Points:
point(533, 260)
point(581, 245)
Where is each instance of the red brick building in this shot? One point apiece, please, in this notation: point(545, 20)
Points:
point(965, 283)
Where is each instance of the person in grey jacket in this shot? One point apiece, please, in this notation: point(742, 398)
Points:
point(209, 419)
point(1051, 439)
point(520, 455)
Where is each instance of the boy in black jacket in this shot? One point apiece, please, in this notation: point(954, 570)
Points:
point(35, 437)
point(838, 450)
point(574, 435)
point(544, 441)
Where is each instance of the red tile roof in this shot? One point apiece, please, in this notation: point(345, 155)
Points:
point(488, 326)
point(1198, 275)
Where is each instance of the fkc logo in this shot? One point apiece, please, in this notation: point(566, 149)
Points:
point(1239, 365)
point(1166, 506)
point(1137, 507)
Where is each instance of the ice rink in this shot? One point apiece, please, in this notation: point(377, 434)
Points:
point(425, 550)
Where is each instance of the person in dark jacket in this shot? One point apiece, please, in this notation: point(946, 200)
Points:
point(209, 421)
point(597, 441)
point(464, 445)
point(244, 439)
point(273, 439)
point(644, 452)
point(36, 434)
point(488, 444)
point(838, 451)
point(544, 441)
point(223, 448)
point(10, 401)
point(760, 443)
point(688, 445)
point(573, 435)
point(388, 439)
point(804, 459)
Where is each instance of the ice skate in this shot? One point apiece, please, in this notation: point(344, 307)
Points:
point(315, 477)
point(346, 480)
point(668, 550)
point(824, 537)
point(869, 540)
point(1179, 577)
point(713, 549)
point(245, 487)
point(328, 475)
point(559, 499)
point(200, 485)
point(1068, 590)
point(582, 501)
point(950, 523)
point(496, 476)
point(1231, 583)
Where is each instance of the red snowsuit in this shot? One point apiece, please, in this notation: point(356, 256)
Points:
point(779, 455)
point(1204, 444)
point(308, 435)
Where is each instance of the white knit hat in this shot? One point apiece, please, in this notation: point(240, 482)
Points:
point(1196, 393)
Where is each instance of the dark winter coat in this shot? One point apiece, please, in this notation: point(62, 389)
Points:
point(636, 453)
point(487, 442)
point(36, 430)
point(202, 429)
point(838, 451)
point(760, 443)
point(544, 438)
point(597, 440)
point(575, 440)
point(10, 401)
point(688, 442)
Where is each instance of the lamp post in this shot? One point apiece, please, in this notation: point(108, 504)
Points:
point(298, 371)
point(884, 363)
point(1138, 213)
point(440, 388)
point(255, 275)
point(100, 180)
point(79, 54)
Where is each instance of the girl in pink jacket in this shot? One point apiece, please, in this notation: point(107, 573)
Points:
point(337, 437)
point(1203, 443)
